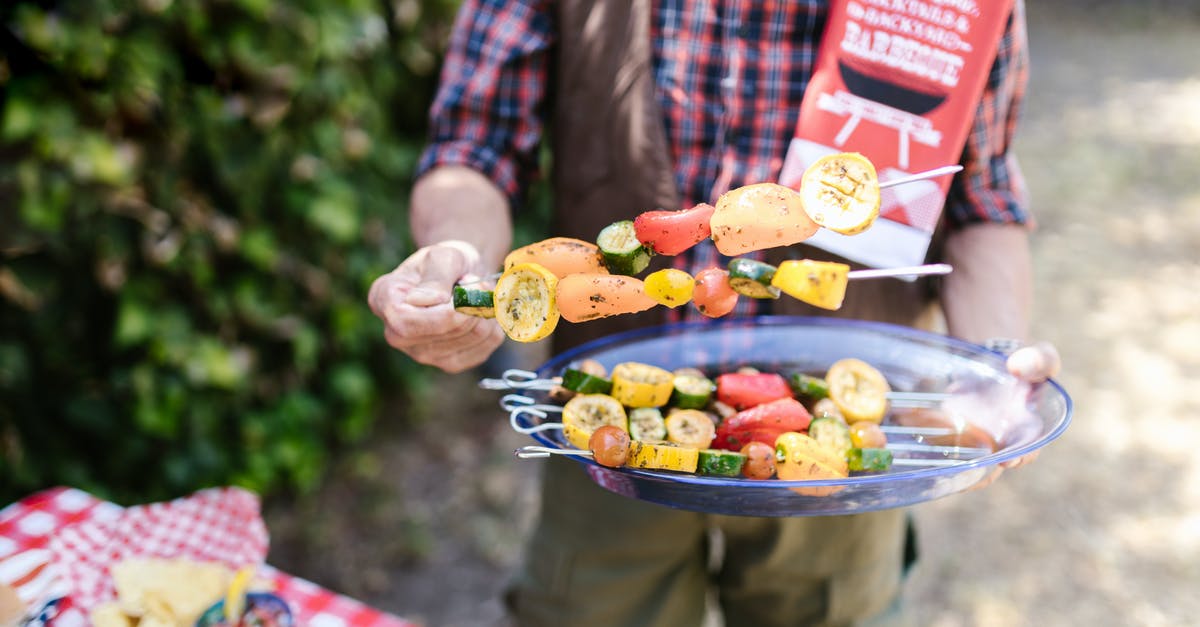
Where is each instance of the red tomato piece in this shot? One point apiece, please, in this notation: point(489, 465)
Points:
point(672, 232)
point(762, 423)
point(712, 295)
point(743, 391)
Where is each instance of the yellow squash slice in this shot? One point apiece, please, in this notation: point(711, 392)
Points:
point(642, 385)
point(841, 192)
point(526, 306)
point(662, 456)
point(691, 428)
point(585, 413)
point(858, 389)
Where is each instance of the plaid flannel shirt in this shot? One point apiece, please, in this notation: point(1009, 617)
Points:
point(730, 75)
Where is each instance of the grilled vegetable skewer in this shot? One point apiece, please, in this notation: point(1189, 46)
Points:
point(577, 280)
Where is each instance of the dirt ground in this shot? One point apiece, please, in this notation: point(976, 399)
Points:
point(1103, 530)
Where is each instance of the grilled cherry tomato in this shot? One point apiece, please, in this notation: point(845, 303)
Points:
point(866, 434)
point(744, 391)
point(670, 287)
point(609, 446)
point(760, 460)
point(762, 423)
point(713, 295)
point(673, 232)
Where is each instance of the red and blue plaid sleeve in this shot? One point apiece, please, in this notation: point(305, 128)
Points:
point(487, 113)
point(990, 188)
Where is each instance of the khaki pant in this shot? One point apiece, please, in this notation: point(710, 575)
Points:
point(598, 558)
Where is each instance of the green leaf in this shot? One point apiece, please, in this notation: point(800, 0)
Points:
point(135, 322)
point(334, 212)
point(20, 119)
point(258, 245)
point(213, 363)
point(306, 349)
point(14, 366)
point(130, 126)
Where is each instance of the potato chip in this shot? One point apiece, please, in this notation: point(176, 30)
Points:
point(169, 592)
point(156, 621)
point(110, 615)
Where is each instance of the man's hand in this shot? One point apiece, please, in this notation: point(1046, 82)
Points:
point(1031, 365)
point(1034, 363)
point(414, 301)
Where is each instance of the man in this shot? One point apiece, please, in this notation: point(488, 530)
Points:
point(665, 105)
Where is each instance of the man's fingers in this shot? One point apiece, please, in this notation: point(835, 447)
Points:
point(451, 353)
point(988, 479)
point(431, 325)
point(392, 288)
point(1021, 461)
point(440, 270)
point(1035, 363)
point(414, 302)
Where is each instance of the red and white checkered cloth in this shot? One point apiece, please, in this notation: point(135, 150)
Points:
point(216, 525)
point(62, 543)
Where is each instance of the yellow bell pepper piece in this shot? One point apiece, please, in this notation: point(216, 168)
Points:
point(818, 283)
point(799, 457)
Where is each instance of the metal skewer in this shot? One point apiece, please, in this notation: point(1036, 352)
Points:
point(863, 274)
point(541, 452)
point(517, 379)
point(876, 273)
point(872, 273)
point(920, 176)
point(910, 450)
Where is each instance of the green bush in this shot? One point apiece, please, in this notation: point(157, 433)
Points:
point(194, 199)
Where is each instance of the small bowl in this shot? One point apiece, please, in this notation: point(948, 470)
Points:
point(268, 609)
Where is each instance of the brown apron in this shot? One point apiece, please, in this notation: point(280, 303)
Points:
point(601, 559)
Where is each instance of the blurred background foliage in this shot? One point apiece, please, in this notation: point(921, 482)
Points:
point(194, 199)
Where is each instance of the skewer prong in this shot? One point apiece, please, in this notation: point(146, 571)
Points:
point(933, 448)
point(920, 176)
point(541, 452)
point(927, 269)
point(898, 430)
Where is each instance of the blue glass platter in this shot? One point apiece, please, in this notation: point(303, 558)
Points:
point(912, 361)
